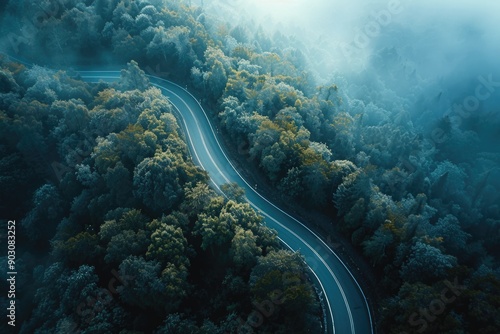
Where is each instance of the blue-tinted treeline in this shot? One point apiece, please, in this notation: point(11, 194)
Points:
point(418, 198)
point(118, 229)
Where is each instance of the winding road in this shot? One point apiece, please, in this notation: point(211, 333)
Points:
point(347, 308)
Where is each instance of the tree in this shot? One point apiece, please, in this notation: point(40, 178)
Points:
point(168, 245)
point(239, 86)
point(126, 46)
point(213, 55)
point(130, 219)
point(240, 34)
point(242, 214)
point(354, 186)
point(43, 85)
point(46, 209)
point(133, 78)
point(245, 65)
point(176, 219)
point(172, 46)
point(291, 185)
point(233, 192)
point(481, 300)
point(403, 309)
point(158, 119)
point(85, 25)
point(143, 21)
point(105, 9)
point(376, 247)
point(315, 178)
point(244, 249)
point(134, 144)
point(271, 63)
point(214, 206)
point(342, 126)
point(447, 180)
point(267, 134)
point(272, 158)
point(150, 288)
point(75, 116)
point(157, 183)
point(280, 276)
point(63, 294)
point(82, 248)
point(175, 280)
point(77, 286)
point(125, 244)
point(109, 316)
point(174, 324)
point(119, 182)
point(382, 209)
point(8, 83)
point(216, 80)
point(214, 231)
point(197, 198)
point(454, 238)
point(231, 116)
point(426, 263)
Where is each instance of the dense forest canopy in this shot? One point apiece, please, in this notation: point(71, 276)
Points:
point(123, 203)
point(417, 194)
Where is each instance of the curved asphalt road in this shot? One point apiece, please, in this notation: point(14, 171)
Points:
point(348, 310)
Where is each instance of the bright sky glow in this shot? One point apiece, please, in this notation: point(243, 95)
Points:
point(435, 36)
point(277, 9)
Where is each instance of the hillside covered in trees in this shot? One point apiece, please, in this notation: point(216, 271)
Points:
point(121, 232)
point(421, 206)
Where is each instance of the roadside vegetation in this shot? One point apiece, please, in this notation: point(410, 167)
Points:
point(121, 232)
point(421, 211)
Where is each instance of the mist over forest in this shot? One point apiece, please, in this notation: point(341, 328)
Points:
point(382, 117)
point(414, 49)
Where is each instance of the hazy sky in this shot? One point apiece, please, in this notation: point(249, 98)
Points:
point(438, 36)
point(415, 48)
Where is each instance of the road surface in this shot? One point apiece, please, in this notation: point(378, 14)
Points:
point(347, 307)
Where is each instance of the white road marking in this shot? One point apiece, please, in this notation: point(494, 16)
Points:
point(116, 76)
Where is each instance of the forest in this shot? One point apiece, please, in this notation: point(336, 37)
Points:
point(125, 232)
point(416, 197)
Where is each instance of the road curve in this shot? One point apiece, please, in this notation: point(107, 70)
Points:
point(347, 307)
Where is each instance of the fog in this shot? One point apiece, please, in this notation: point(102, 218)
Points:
point(383, 116)
point(426, 55)
point(439, 37)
